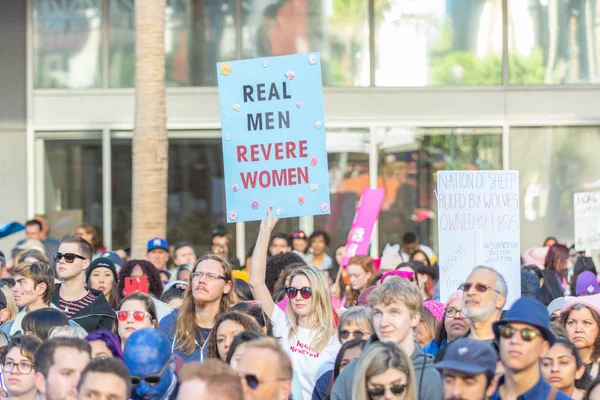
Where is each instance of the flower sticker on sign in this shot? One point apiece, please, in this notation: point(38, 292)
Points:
point(271, 151)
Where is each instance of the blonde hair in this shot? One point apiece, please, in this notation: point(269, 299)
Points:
point(397, 290)
point(185, 328)
point(376, 359)
point(67, 331)
point(366, 263)
point(11, 306)
point(322, 310)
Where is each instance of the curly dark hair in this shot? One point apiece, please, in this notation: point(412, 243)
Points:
point(276, 264)
point(154, 281)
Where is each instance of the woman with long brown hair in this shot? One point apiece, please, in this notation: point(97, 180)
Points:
point(209, 294)
point(361, 271)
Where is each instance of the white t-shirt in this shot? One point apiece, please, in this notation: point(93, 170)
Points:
point(305, 362)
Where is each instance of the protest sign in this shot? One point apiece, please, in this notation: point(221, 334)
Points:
point(587, 220)
point(273, 137)
point(478, 224)
point(366, 215)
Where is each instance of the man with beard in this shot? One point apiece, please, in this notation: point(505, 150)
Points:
point(468, 370)
point(484, 295)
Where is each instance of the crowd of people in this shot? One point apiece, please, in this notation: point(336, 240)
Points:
point(290, 322)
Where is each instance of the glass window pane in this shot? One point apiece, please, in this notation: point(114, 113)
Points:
point(73, 178)
point(339, 30)
point(196, 198)
point(553, 42)
point(438, 42)
point(348, 160)
point(67, 43)
point(408, 162)
point(550, 172)
point(198, 34)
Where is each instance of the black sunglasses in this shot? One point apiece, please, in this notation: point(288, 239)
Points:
point(292, 292)
point(150, 379)
point(480, 287)
point(378, 392)
point(69, 257)
point(527, 334)
point(344, 334)
point(252, 380)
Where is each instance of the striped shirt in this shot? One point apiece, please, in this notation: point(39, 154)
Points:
point(70, 308)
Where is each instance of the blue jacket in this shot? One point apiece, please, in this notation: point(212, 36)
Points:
point(168, 325)
point(538, 392)
point(323, 386)
point(433, 348)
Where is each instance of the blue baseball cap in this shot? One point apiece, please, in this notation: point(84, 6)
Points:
point(469, 356)
point(157, 243)
point(114, 257)
point(527, 310)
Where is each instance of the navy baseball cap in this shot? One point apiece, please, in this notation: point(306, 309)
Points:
point(157, 243)
point(114, 257)
point(469, 356)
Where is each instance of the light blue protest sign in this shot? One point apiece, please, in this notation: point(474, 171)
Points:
point(273, 132)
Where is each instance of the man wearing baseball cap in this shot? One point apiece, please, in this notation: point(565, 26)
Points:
point(158, 253)
point(468, 370)
point(524, 336)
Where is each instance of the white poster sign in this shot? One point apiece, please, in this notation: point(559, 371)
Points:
point(587, 220)
point(478, 224)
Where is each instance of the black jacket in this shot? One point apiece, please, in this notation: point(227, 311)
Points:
point(551, 288)
point(97, 315)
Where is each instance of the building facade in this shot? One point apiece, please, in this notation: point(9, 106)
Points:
point(411, 87)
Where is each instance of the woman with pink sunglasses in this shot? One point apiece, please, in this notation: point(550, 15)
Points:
point(136, 311)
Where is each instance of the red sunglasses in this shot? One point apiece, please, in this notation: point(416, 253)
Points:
point(292, 292)
point(137, 315)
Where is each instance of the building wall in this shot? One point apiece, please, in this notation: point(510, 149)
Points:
point(13, 85)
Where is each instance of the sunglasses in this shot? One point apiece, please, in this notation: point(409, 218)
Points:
point(379, 392)
point(527, 334)
point(292, 292)
point(69, 257)
point(480, 287)
point(137, 315)
point(344, 334)
point(253, 382)
point(150, 379)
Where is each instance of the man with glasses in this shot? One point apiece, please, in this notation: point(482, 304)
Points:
point(88, 307)
point(58, 366)
point(104, 378)
point(524, 337)
point(209, 380)
point(259, 379)
point(148, 358)
point(484, 295)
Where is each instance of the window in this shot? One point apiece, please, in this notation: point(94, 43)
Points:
point(67, 43)
point(408, 162)
point(198, 34)
point(438, 42)
point(337, 29)
point(563, 161)
point(73, 179)
point(196, 198)
point(553, 42)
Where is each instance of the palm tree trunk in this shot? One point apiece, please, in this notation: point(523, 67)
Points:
point(150, 145)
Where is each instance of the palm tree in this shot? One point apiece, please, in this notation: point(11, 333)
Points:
point(150, 145)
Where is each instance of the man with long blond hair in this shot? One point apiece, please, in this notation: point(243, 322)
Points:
point(209, 294)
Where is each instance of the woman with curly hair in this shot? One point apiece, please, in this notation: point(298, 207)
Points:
point(227, 326)
point(137, 268)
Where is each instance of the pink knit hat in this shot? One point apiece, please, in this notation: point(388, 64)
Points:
point(436, 308)
point(592, 302)
point(535, 256)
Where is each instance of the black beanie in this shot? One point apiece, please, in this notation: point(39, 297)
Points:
point(101, 262)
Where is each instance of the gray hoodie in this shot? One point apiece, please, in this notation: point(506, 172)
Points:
point(428, 379)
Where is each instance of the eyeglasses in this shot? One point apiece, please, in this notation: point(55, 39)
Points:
point(69, 257)
point(376, 393)
point(480, 287)
point(298, 235)
point(22, 367)
point(137, 315)
point(150, 379)
point(345, 334)
point(292, 292)
point(209, 275)
point(451, 312)
point(252, 380)
point(218, 251)
point(527, 334)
